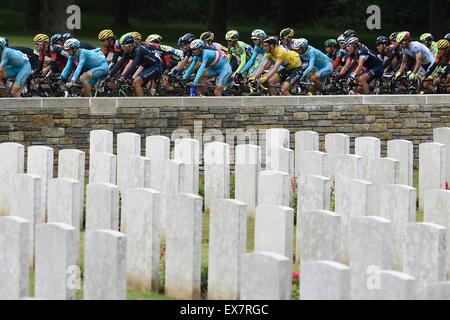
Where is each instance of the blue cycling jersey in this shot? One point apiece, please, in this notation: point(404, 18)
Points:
point(87, 60)
point(13, 59)
point(314, 58)
point(214, 59)
point(256, 51)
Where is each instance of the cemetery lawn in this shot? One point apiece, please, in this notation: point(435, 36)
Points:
point(141, 295)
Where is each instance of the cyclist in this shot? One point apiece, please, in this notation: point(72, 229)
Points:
point(289, 60)
point(91, 65)
point(137, 37)
point(184, 44)
point(208, 38)
point(111, 46)
point(369, 66)
point(252, 65)
point(413, 49)
point(213, 64)
point(387, 54)
point(342, 53)
point(238, 51)
point(349, 33)
point(83, 44)
point(315, 59)
point(42, 42)
point(331, 48)
point(171, 55)
point(31, 54)
point(442, 60)
point(287, 37)
point(57, 54)
point(13, 64)
point(147, 63)
point(427, 40)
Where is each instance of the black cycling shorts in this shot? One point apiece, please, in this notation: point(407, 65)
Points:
point(291, 76)
point(376, 72)
point(151, 73)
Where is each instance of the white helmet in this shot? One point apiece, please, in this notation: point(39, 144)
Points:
point(196, 44)
point(258, 34)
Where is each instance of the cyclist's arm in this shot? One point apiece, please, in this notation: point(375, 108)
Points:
point(419, 59)
point(250, 62)
point(190, 69)
point(132, 65)
point(243, 62)
point(79, 68)
point(40, 66)
point(118, 65)
point(360, 65)
point(346, 67)
point(4, 61)
point(273, 70)
point(402, 68)
point(200, 72)
point(53, 65)
point(261, 68)
point(312, 61)
point(336, 62)
point(66, 72)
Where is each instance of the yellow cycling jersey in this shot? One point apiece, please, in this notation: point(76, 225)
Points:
point(289, 59)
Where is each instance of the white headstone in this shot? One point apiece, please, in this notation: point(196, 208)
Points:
point(425, 255)
point(321, 236)
point(141, 206)
point(313, 194)
point(56, 273)
point(40, 163)
point(26, 203)
point(274, 188)
point(313, 163)
point(336, 144)
point(353, 199)
point(281, 159)
point(431, 168)
point(439, 291)
point(183, 247)
point(304, 141)
point(324, 280)
point(350, 167)
point(157, 148)
point(217, 172)
point(105, 265)
point(265, 276)
point(398, 204)
point(274, 227)
point(402, 150)
point(247, 168)
point(14, 258)
point(102, 206)
point(103, 168)
point(275, 138)
point(100, 141)
point(370, 149)
point(11, 163)
point(370, 250)
point(227, 244)
point(394, 285)
point(136, 173)
point(128, 145)
point(187, 151)
point(442, 135)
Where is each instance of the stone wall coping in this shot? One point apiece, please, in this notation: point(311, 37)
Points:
point(106, 105)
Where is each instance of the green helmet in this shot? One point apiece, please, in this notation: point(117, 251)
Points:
point(232, 35)
point(330, 43)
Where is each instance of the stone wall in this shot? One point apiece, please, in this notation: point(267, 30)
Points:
point(66, 123)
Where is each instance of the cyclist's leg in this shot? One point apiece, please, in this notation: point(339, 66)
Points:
point(294, 76)
point(21, 79)
point(90, 78)
point(277, 77)
point(150, 73)
point(223, 76)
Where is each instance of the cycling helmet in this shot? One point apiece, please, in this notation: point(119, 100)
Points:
point(258, 34)
point(56, 38)
point(186, 39)
point(207, 36)
point(41, 38)
point(232, 35)
point(341, 39)
point(271, 40)
point(330, 43)
point(300, 43)
point(403, 37)
point(105, 35)
point(66, 36)
point(381, 40)
point(286, 32)
point(443, 44)
point(71, 43)
point(196, 44)
point(3, 43)
point(349, 33)
point(154, 38)
point(447, 36)
point(426, 37)
point(136, 35)
point(127, 38)
point(393, 36)
point(352, 41)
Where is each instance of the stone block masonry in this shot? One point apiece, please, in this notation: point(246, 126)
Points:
point(66, 123)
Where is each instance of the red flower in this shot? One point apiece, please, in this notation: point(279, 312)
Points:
point(447, 187)
point(296, 275)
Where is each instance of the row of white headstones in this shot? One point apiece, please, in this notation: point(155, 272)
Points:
point(372, 232)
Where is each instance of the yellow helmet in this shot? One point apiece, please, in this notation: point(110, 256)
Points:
point(207, 36)
point(286, 32)
point(41, 38)
point(403, 36)
point(443, 44)
point(154, 38)
point(136, 35)
point(105, 34)
point(426, 37)
point(232, 35)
